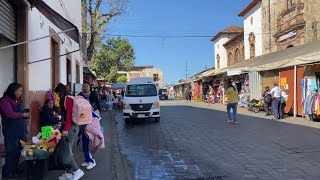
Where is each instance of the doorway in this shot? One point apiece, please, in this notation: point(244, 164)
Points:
point(69, 72)
point(55, 63)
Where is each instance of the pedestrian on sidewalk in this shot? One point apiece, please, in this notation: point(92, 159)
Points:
point(91, 96)
point(89, 162)
point(187, 94)
point(232, 93)
point(267, 100)
point(14, 122)
point(284, 98)
point(70, 130)
point(110, 100)
point(104, 100)
point(276, 94)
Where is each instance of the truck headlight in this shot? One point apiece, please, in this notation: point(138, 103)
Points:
point(156, 105)
point(127, 106)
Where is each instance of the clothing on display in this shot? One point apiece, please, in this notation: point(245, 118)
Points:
point(312, 104)
point(310, 97)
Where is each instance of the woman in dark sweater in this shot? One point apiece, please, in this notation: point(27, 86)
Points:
point(14, 122)
point(48, 116)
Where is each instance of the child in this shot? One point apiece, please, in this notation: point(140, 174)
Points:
point(48, 117)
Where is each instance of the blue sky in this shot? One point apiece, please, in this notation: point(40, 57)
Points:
point(177, 18)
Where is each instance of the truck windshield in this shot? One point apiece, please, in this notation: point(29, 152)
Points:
point(141, 90)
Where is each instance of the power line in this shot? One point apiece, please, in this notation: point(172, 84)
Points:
point(36, 39)
point(54, 57)
point(176, 35)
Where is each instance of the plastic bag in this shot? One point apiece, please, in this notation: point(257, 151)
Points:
point(62, 157)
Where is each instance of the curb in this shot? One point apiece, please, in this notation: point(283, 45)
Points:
point(121, 170)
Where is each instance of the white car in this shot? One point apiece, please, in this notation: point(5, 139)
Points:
point(141, 100)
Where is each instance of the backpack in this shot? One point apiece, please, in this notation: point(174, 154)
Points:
point(268, 98)
point(81, 111)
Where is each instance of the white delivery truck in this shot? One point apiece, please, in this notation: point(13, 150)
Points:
point(141, 100)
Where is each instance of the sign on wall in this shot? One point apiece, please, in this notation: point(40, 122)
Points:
point(288, 35)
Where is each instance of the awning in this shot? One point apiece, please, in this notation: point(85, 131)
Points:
point(207, 73)
point(56, 19)
point(305, 54)
point(86, 70)
point(234, 72)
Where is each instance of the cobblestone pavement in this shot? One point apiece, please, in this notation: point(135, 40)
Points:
point(192, 142)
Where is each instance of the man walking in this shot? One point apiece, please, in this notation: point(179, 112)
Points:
point(276, 94)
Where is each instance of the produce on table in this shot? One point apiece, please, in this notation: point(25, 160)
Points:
point(40, 148)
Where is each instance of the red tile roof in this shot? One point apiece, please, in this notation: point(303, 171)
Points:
point(240, 35)
point(249, 7)
point(230, 30)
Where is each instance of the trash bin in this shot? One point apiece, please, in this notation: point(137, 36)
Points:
point(37, 169)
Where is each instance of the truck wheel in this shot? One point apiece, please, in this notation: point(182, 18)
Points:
point(157, 119)
point(127, 120)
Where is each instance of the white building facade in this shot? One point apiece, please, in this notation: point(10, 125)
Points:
point(220, 52)
point(253, 30)
point(252, 15)
point(67, 69)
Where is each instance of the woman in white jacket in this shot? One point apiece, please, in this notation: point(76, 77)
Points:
point(110, 100)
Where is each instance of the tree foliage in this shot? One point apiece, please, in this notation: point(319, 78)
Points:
point(116, 54)
point(122, 79)
point(96, 15)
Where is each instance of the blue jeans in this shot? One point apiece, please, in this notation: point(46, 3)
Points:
point(276, 104)
point(13, 148)
point(104, 104)
point(85, 146)
point(232, 116)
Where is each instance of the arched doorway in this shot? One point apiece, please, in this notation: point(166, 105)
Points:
point(230, 59)
point(237, 56)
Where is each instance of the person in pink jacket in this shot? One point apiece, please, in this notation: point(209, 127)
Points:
point(93, 131)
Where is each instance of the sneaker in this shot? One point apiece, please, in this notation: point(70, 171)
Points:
point(235, 122)
point(77, 174)
point(65, 176)
point(229, 121)
point(85, 164)
point(91, 165)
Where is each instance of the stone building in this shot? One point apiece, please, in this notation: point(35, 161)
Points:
point(235, 49)
point(289, 23)
point(221, 57)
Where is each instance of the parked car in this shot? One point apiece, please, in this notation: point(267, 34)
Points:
point(141, 100)
point(163, 94)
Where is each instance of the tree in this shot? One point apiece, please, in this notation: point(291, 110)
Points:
point(116, 54)
point(122, 79)
point(96, 14)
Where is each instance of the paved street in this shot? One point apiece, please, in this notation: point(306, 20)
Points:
point(193, 142)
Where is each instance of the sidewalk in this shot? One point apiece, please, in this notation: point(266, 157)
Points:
point(241, 110)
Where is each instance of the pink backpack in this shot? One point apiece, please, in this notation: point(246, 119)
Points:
point(81, 111)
